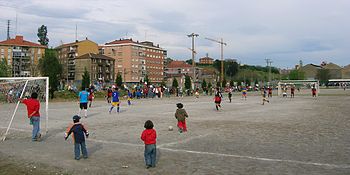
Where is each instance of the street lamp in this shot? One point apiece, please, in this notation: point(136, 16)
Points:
point(193, 35)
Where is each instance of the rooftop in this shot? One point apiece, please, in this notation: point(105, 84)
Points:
point(178, 64)
point(96, 56)
point(19, 41)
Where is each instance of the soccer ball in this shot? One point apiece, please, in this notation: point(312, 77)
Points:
point(170, 128)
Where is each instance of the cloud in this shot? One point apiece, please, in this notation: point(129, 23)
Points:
point(284, 31)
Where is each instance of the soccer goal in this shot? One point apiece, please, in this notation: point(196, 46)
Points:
point(12, 89)
point(301, 86)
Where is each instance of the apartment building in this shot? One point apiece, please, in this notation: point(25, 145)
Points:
point(134, 60)
point(67, 54)
point(100, 67)
point(22, 56)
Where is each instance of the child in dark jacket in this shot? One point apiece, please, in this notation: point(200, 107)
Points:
point(149, 137)
point(181, 116)
point(78, 130)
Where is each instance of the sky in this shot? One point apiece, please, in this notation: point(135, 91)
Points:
point(284, 31)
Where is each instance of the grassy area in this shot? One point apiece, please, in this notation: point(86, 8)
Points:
point(71, 96)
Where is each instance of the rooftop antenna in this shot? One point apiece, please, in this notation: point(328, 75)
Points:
point(8, 29)
point(16, 23)
point(76, 32)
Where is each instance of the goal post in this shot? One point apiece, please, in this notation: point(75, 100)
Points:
point(24, 87)
point(301, 84)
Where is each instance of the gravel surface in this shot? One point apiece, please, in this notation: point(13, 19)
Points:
point(303, 135)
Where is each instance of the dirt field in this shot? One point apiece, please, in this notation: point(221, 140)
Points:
point(303, 135)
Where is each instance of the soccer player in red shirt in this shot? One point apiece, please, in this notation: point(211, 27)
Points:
point(33, 108)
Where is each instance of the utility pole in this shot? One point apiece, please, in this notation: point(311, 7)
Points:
point(8, 29)
point(221, 42)
point(268, 64)
point(193, 35)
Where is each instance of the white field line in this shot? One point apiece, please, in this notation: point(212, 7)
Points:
point(16, 129)
point(259, 158)
point(181, 141)
point(344, 166)
point(115, 142)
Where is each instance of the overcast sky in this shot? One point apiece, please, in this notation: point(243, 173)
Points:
point(284, 31)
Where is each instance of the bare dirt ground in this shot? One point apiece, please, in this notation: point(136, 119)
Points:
point(303, 135)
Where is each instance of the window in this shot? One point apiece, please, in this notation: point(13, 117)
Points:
point(39, 51)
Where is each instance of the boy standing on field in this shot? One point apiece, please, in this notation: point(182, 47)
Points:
point(79, 132)
point(33, 108)
point(149, 136)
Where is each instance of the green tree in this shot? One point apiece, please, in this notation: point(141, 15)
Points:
point(231, 83)
point(231, 68)
point(175, 83)
point(204, 84)
point(147, 79)
point(85, 82)
point(163, 83)
point(224, 82)
point(5, 70)
point(296, 75)
point(50, 67)
point(218, 84)
point(119, 80)
point(323, 75)
point(209, 85)
point(42, 34)
point(187, 82)
point(189, 61)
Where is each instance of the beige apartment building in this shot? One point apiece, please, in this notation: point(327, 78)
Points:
point(134, 60)
point(67, 54)
point(100, 67)
point(22, 56)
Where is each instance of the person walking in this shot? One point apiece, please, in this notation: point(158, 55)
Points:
point(83, 102)
point(217, 99)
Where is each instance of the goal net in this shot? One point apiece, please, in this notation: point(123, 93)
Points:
point(14, 115)
point(302, 87)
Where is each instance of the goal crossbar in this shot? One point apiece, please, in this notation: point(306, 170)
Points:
point(297, 82)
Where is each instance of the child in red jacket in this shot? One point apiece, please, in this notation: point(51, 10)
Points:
point(149, 137)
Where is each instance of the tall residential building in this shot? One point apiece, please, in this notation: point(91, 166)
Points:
point(22, 56)
point(67, 53)
point(135, 60)
point(100, 67)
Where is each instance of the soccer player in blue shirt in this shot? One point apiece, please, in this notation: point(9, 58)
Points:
point(83, 101)
point(115, 100)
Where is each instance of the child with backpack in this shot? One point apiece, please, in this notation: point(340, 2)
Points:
point(181, 116)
